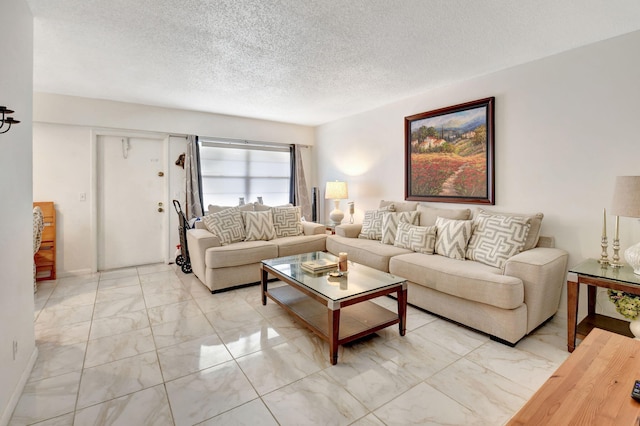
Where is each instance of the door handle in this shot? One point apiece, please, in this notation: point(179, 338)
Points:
point(160, 209)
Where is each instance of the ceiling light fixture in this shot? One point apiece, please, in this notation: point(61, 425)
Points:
point(6, 120)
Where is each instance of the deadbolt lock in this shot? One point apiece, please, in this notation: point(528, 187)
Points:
point(160, 174)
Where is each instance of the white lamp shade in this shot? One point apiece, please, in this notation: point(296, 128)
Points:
point(626, 197)
point(336, 191)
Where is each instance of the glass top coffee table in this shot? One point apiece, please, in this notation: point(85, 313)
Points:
point(338, 309)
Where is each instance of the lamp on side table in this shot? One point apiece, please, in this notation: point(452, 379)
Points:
point(336, 191)
point(626, 202)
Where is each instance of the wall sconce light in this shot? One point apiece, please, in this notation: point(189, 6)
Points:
point(6, 120)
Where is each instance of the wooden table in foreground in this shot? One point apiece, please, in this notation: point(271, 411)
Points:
point(591, 273)
point(592, 387)
point(338, 309)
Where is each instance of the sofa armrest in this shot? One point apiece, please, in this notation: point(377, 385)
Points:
point(312, 228)
point(543, 271)
point(349, 230)
point(198, 241)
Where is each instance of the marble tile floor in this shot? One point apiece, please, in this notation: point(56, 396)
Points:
point(152, 346)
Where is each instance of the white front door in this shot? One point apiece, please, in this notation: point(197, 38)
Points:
point(131, 197)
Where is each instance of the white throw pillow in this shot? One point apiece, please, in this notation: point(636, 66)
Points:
point(496, 238)
point(452, 237)
point(286, 221)
point(421, 239)
point(390, 224)
point(227, 225)
point(258, 226)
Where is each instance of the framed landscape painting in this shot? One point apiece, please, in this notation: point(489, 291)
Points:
point(449, 154)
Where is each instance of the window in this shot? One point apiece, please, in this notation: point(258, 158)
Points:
point(231, 171)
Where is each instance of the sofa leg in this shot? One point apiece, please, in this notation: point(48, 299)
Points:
point(504, 342)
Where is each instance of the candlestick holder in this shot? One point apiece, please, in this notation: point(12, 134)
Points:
point(615, 262)
point(604, 256)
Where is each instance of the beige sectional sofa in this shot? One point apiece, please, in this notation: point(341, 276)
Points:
point(222, 265)
point(506, 302)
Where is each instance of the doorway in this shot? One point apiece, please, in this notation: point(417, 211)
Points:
point(131, 197)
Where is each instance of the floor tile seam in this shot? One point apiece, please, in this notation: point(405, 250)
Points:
point(29, 381)
point(501, 375)
point(453, 398)
point(84, 358)
point(166, 392)
point(75, 411)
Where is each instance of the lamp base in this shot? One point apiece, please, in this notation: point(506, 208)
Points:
point(632, 256)
point(336, 217)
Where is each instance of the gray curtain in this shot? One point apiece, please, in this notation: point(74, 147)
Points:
point(300, 190)
point(193, 207)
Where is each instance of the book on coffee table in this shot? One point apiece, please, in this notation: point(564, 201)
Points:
point(319, 265)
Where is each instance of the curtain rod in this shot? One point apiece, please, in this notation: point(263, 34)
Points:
point(239, 141)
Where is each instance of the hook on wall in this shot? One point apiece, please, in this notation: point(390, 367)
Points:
point(6, 120)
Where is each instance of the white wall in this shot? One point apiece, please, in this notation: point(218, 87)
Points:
point(64, 131)
point(566, 125)
point(16, 218)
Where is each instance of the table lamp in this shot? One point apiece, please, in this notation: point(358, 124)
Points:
point(626, 202)
point(336, 191)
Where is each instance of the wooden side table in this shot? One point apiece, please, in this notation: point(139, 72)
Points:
point(591, 273)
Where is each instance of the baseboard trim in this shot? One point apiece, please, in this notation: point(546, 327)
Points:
point(75, 273)
point(17, 392)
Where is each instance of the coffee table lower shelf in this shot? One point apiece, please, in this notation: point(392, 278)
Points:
point(355, 321)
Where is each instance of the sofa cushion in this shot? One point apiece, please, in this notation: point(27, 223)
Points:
point(227, 225)
point(534, 231)
point(421, 239)
point(390, 222)
point(452, 237)
point(468, 280)
point(242, 253)
point(286, 221)
point(428, 215)
point(367, 252)
point(258, 226)
point(396, 206)
point(496, 238)
point(288, 246)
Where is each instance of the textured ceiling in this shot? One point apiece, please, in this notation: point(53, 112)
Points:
point(306, 62)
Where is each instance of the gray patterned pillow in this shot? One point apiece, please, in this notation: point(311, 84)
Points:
point(390, 224)
point(258, 226)
point(372, 223)
point(421, 239)
point(452, 237)
point(227, 225)
point(286, 221)
point(496, 238)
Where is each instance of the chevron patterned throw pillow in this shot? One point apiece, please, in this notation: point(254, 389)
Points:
point(496, 238)
point(421, 239)
point(258, 226)
point(452, 237)
point(227, 225)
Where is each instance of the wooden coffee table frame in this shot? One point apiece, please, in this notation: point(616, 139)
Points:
point(337, 322)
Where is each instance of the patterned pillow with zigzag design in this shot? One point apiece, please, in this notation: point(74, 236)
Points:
point(452, 237)
point(496, 238)
point(258, 226)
